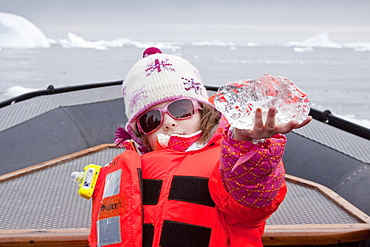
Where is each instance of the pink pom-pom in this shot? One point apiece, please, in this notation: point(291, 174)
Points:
point(121, 136)
point(150, 51)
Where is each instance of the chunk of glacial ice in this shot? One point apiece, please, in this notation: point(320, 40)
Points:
point(238, 101)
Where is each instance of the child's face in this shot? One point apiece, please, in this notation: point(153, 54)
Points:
point(172, 126)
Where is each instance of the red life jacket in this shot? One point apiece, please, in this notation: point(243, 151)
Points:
point(184, 203)
point(117, 207)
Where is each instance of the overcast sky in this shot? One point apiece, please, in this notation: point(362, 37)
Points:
point(270, 21)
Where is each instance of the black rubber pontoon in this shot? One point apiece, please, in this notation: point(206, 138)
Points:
point(47, 127)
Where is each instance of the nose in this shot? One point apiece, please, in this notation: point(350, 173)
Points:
point(168, 122)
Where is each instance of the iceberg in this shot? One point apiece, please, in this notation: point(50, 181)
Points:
point(358, 46)
point(18, 32)
point(74, 41)
point(320, 40)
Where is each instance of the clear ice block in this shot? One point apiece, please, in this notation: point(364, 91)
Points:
point(239, 100)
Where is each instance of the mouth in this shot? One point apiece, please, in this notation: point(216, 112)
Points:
point(178, 134)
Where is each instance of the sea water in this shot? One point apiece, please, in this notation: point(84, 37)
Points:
point(337, 79)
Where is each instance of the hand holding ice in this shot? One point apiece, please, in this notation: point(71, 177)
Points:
point(239, 100)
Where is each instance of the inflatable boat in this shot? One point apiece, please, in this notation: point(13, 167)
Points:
point(48, 134)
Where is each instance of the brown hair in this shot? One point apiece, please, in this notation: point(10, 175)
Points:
point(209, 118)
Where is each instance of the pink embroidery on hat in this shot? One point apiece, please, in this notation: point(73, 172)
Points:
point(137, 96)
point(192, 84)
point(159, 66)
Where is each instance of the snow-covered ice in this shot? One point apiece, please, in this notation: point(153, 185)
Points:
point(18, 32)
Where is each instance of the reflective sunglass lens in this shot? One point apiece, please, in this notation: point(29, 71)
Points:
point(150, 121)
point(181, 108)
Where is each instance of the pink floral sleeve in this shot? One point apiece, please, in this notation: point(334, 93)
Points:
point(252, 173)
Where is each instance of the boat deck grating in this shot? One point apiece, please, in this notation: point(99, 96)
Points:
point(48, 199)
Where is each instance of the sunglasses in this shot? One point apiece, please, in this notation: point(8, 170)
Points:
point(180, 109)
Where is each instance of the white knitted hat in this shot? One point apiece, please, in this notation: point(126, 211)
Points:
point(158, 78)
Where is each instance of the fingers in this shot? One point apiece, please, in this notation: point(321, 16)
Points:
point(258, 120)
point(270, 121)
point(305, 122)
point(259, 126)
point(286, 128)
point(269, 128)
point(264, 129)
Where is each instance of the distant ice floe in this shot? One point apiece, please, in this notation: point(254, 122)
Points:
point(317, 41)
point(303, 49)
point(322, 40)
point(74, 41)
point(18, 32)
point(358, 46)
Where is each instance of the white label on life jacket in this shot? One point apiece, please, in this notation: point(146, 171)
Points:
point(109, 231)
point(112, 184)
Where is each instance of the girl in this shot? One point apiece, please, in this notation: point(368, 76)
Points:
point(186, 178)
